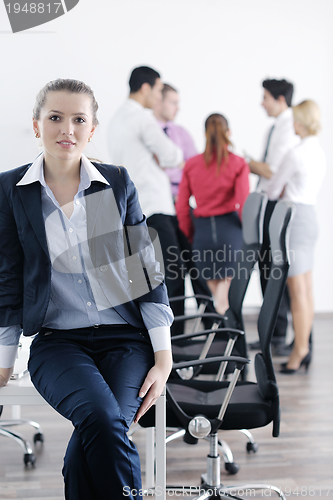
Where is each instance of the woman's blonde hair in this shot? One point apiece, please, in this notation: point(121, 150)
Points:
point(307, 114)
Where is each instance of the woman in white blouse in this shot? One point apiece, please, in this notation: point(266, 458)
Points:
point(298, 180)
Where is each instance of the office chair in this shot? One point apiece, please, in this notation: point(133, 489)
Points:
point(203, 407)
point(28, 457)
point(186, 348)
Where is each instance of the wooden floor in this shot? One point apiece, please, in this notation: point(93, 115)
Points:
point(300, 461)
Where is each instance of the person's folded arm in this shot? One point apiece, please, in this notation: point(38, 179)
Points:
point(158, 143)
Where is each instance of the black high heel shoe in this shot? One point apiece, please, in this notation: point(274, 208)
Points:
point(305, 362)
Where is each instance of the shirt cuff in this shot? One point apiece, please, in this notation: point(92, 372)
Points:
point(160, 338)
point(8, 355)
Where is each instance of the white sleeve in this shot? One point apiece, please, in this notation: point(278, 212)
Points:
point(285, 143)
point(157, 319)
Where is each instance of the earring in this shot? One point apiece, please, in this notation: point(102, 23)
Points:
point(89, 140)
point(37, 135)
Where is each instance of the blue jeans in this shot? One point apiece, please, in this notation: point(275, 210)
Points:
point(92, 377)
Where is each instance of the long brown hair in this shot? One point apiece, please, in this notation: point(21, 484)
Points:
point(217, 141)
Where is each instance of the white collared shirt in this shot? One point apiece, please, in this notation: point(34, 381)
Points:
point(135, 141)
point(283, 138)
point(35, 172)
point(301, 173)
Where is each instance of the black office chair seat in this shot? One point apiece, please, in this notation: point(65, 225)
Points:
point(246, 409)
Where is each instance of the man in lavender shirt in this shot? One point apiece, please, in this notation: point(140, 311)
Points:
point(165, 112)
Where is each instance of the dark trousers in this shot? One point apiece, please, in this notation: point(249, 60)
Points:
point(177, 256)
point(265, 261)
point(92, 377)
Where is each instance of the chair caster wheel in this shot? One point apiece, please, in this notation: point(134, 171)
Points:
point(231, 467)
point(29, 458)
point(38, 438)
point(252, 447)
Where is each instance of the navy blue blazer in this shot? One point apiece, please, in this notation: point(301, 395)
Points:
point(25, 265)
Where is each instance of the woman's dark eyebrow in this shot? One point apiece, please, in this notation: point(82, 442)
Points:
point(61, 113)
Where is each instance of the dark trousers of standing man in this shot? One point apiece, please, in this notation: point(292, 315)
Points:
point(92, 376)
point(265, 262)
point(177, 256)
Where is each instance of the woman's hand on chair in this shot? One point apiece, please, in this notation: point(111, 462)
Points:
point(154, 382)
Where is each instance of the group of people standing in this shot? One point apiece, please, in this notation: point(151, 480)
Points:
point(78, 269)
point(210, 190)
point(154, 150)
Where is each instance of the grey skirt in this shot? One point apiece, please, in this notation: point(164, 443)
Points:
point(302, 239)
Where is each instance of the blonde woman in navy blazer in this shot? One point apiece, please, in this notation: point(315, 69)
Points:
point(78, 268)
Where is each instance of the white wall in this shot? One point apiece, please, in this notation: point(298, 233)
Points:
point(216, 52)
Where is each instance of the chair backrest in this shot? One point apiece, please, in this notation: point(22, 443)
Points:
point(252, 223)
point(278, 233)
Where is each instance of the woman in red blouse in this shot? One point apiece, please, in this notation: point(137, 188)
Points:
point(219, 182)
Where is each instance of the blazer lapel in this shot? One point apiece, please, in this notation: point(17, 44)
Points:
point(31, 199)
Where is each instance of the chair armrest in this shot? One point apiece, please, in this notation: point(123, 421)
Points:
point(202, 315)
point(184, 297)
point(234, 333)
point(217, 359)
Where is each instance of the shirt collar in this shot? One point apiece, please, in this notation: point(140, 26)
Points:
point(285, 115)
point(35, 172)
point(167, 124)
point(93, 173)
point(134, 103)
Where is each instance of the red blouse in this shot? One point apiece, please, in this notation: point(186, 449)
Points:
point(214, 194)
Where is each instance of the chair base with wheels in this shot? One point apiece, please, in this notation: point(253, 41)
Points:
point(19, 391)
point(28, 457)
point(210, 481)
point(230, 466)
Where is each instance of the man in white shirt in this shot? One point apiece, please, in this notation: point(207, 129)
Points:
point(280, 139)
point(137, 142)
